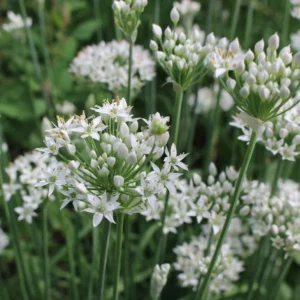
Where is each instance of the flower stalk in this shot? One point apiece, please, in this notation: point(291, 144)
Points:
point(118, 255)
point(203, 287)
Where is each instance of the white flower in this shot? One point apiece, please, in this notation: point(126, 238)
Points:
point(26, 213)
point(173, 160)
point(15, 22)
point(102, 207)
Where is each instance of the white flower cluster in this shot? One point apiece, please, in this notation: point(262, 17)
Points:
point(193, 260)
point(3, 240)
point(200, 200)
point(15, 22)
point(24, 173)
point(159, 279)
point(296, 9)
point(109, 161)
point(187, 9)
point(281, 136)
point(181, 56)
point(279, 216)
point(206, 100)
point(127, 16)
point(107, 63)
point(262, 82)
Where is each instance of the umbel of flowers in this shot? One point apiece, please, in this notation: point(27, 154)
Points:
point(181, 57)
point(110, 161)
point(108, 64)
point(24, 173)
point(127, 16)
point(262, 83)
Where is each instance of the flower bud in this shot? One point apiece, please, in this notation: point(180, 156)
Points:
point(159, 279)
point(231, 83)
point(132, 158)
point(212, 169)
point(244, 91)
point(122, 151)
point(80, 188)
point(94, 164)
point(134, 126)
point(284, 92)
point(103, 172)
point(157, 31)
point(168, 33)
point(118, 181)
point(274, 42)
point(244, 211)
point(71, 149)
point(111, 161)
point(264, 93)
point(259, 47)
point(174, 15)
point(73, 165)
point(93, 154)
point(197, 179)
point(235, 46)
point(124, 131)
point(153, 46)
point(296, 61)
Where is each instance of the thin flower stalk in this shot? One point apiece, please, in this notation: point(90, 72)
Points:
point(203, 287)
point(47, 294)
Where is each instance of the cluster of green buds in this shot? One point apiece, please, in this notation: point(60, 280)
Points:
point(180, 56)
point(262, 83)
point(127, 16)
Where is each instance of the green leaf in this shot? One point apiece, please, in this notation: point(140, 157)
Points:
point(85, 30)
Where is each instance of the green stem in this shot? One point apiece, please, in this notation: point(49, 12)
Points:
point(129, 72)
point(259, 269)
point(120, 223)
point(284, 269)
point(176, 115)
point(46, 54)
point(34, 56)
point(212, 5)
point(286, 23)
point(47, 295)
point(212, 131)
point(69, 233)
point(94, 262)
point(249, 24)
point(127, 276)
point(103, 258)
point(235, 18)
point(276, 176)
point(237, 191)
point(98, 18)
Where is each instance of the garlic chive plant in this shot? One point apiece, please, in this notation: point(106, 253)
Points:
point(127, 18)
point(262, 84)
point(110, 164)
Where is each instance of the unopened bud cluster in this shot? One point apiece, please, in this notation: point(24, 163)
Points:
point(127, 16)
point(181, 57)
point(261, 82)
point(159, 279)
point(109, 160)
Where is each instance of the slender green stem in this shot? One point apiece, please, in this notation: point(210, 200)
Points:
point(69, 233)
point(120, 223)
point(161, 234)
point(127, 276)
point(258, 269)
point(46, 54)
point(276, 176)
point(286, 23)
point(98, 18)
point(284, 269)
point(191, 137)
point(103, 259)
point(249, 22)
point(212, 131)
point(94, 262)
point(211, 8)
point(34, 56)
point(47, 294)
point(129, 71)
point(235, 18)
point(176, 115)
point(237, 191)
